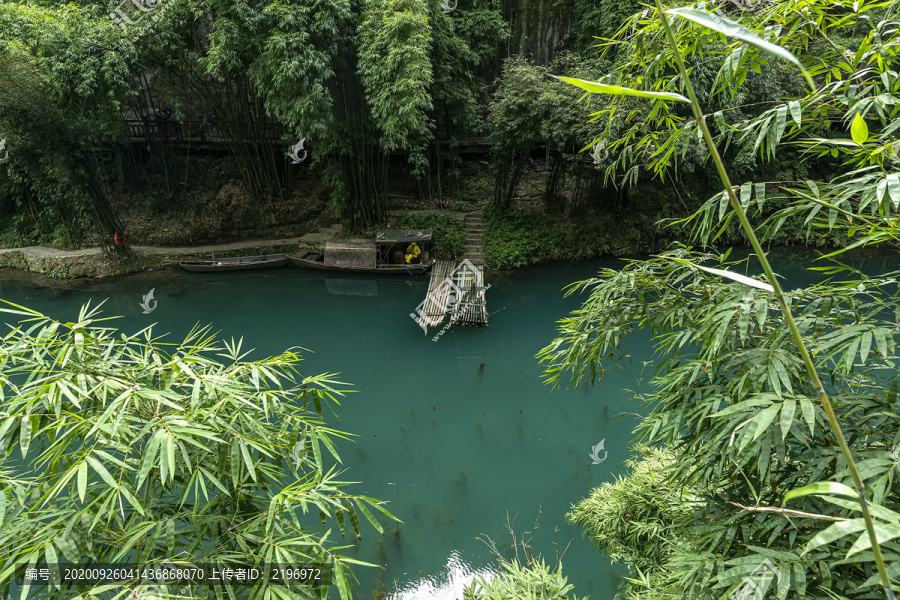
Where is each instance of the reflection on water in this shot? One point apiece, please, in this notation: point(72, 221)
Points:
point(446, 584)
point(351, 287)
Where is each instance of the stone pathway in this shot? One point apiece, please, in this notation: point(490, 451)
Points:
point(308, 240)
point(45, 252)
point(91, 262)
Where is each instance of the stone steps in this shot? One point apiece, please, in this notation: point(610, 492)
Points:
point(475, 227)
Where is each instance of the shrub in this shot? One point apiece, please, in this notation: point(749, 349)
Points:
point(534, 581)
point(517, 239)
point(449, 235)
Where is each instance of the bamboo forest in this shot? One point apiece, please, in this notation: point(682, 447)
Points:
point(449, 299)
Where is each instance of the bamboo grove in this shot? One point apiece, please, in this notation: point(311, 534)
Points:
point(770, 448)
point(357, 81)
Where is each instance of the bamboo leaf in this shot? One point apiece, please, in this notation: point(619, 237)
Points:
point(170, 536)
point(615, 90)
point(796, 112)
point(369, 517)
point(760, 191)
point(101, 470)
point(723, 204)
point(864, 346)
point(809, 414)
point(50, 553)
point(66, 546)
point(235, 463)
point(834, 532)
point(341, 580)
point(195, 396)
point(730, 28)
point(764, 419)
point(339, 515)
point(884, 532)
point(270, 517)
point(354, 518)
point(746, 190)
point(729, 275)
point(215, 480)
point(149, 458)
point(25, 435)
point(822, 487)
point(720, 120)
point(893, 187)
point(858, 130)
point(317, 451)
point(82, 480)
point(248, 460)
point(170, 455)
point(787, 417)
point(780, 122)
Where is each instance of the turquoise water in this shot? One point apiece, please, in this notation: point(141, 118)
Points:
point(458, 449)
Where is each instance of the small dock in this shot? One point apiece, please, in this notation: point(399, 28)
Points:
point(456, 289)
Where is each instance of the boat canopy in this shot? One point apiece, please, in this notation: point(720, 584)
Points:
point(350, 253)
point(402, 236)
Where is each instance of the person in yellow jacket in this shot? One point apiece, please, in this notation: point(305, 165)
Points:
point(412, 252)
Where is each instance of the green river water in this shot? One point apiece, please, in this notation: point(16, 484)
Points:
point(458, 450)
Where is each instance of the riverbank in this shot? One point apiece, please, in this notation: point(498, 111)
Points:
point(92, 262)
point(503, 240)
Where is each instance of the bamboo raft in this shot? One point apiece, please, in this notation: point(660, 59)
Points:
point(463, 281)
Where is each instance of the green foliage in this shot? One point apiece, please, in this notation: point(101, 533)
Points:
point(516, 239)
point(733, 82)
point(355, 80)
point(65, 77)
point(731, 402)
point(764, 123)
point(732, 391)
point(535, 581)
point(41, 229)
point(395, 47)
point(635, 519)
point(601, 19)
point(449, 235)
point(477, 189)
point(358, 80)
point(128, 448)
point(848, 122)
point(289, 50)
point(530, 109)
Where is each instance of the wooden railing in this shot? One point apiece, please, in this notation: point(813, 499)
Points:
point(197, 130)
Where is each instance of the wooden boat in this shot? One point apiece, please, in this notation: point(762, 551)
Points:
point(237, 263)
point(393, 251)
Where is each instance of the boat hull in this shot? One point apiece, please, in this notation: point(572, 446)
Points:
point(307, 263)
point(240, 263)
